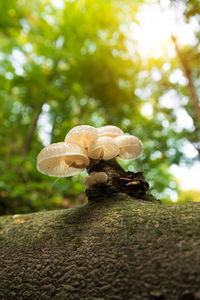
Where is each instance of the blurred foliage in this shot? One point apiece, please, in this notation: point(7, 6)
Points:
point(189, 196)
point(66, 63)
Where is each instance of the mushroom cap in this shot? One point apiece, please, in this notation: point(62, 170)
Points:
point(95, 178)
point(62, 160)
point(82, 135)
point(100, 177)
point(130, 146)
point(103, 148)
point(111, 131)
point(89, 181)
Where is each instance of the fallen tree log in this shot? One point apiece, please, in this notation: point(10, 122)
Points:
point(117, 248)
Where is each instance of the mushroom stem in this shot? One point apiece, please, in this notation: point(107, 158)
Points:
point(101, 154)
point(119, 181)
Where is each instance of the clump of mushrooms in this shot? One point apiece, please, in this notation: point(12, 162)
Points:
point(84, 144)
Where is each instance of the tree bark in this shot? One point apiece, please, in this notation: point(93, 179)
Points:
point(119, 180)
point(117, 248)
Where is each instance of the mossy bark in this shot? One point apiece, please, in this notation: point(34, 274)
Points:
point(119, 248)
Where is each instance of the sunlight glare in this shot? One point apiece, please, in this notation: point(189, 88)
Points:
point(45, 126)
point(153, 35)
point(188, 177)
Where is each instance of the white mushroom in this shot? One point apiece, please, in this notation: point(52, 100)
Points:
point(100, 177)
point(95, 178)
point(82, 135)
point(62, 160)
point(103, 148)
point(111, 131)
point(89, 181)
point(130, 146)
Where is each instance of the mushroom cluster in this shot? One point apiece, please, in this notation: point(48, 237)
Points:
point(83, 143)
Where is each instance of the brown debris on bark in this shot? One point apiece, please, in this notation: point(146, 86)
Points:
point(119, 181)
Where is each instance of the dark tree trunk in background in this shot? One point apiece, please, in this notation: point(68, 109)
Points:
point(118, 247)
point(188, 73)
point(195, 101)
point(31, 130)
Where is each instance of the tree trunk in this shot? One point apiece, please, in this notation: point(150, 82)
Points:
point(117, 248)
point(31, 130)
point(188, 73)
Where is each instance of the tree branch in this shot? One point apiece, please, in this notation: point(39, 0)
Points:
point(29, 137)
point(188, 74)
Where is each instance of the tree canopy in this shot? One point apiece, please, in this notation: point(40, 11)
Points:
point(66, 63)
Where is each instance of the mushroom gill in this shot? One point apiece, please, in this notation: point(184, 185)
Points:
point(62, 160)
point(103, 148)
point(130, 147)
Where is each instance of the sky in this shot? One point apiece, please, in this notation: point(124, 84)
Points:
point(189, 178)
point(157, 22)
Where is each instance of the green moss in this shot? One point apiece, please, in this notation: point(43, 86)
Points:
point(105, 218)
